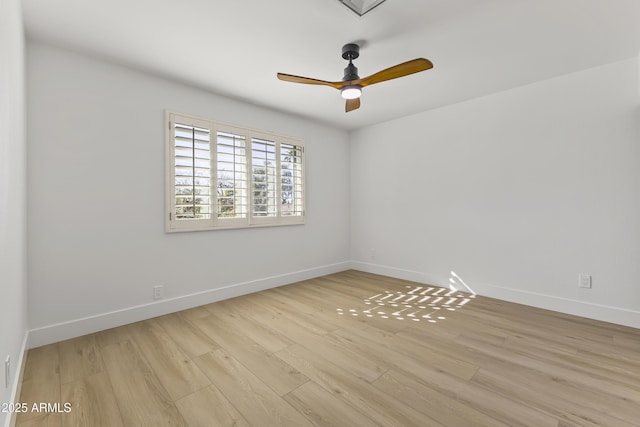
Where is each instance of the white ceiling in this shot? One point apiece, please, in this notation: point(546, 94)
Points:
point(235, 48)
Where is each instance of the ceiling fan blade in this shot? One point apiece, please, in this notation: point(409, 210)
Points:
point(400, 70)
point(309, 81)
point(352, 104)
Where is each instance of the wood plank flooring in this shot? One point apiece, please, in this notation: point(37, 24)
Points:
point(349, 349)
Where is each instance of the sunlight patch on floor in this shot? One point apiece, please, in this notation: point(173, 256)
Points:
point(415, 303)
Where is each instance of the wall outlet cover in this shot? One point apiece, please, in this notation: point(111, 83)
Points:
point(584, 281)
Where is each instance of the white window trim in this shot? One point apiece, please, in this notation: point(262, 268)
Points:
point(214, 223)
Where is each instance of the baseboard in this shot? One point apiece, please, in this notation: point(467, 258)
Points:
point(16, 388)
point(617, 315)
point(397, 273)
point(605, 313)
point(87, 325)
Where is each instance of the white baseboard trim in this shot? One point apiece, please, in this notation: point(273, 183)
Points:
point(617, 315)
point(16, 388)
point(605, 313)
point(87, 325)
point(397, 273)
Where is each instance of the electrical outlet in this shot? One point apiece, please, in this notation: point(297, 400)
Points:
point(584, 281)
point(372, 253)
point(7, 371)
point(158, 292)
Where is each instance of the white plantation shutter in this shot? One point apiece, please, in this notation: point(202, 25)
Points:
point(191, 172)
point(291, 180)
point(263, 178)
point(223, 176)
point(231, 176)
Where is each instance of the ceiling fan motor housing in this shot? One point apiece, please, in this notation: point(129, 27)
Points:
point(350, 73)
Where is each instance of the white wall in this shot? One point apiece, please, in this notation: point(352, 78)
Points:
point(13, 256)
point(517, 193)
point(96, 195)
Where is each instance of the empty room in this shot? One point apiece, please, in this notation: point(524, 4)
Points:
point(320, 213)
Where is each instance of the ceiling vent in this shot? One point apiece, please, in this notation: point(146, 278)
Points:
point(361, 6)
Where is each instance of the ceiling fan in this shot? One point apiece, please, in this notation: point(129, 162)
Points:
point(351, 85)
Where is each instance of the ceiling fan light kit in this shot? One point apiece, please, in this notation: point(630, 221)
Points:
point(351, 85)
point(351, 92)
point(360, 7)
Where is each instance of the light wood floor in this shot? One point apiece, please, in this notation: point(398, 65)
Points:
point(349, 349)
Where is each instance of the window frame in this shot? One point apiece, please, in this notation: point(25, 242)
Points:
point(172, 224)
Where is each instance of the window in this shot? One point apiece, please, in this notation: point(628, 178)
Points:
point(224, 176)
